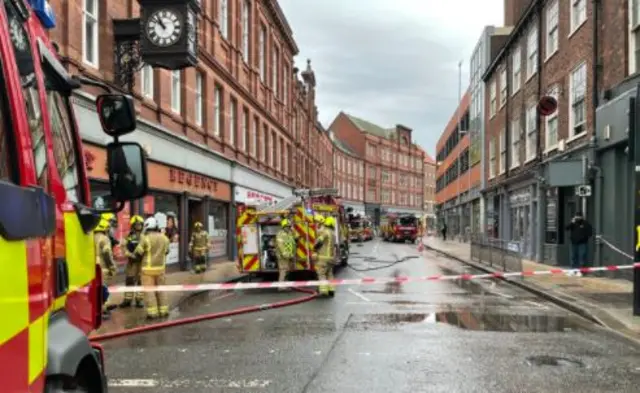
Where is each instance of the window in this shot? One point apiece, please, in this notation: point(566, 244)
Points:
point(515, 143)
point(245, 129)
point(272, 149)
point(578, 105)
point(492, 94)
point(218, 121)
point(275, 69)
point(552, 29)
point(503, 87)
point(551, 134)
point(532, 52)
point(264, 143)
point(254, 136)
point(263, 51)
point(515, 70)
point(532, 132)
point(7, 163)
point(199, 100)
point(176, 99)
point(578, 14)
point(246, 32)
point(90, 48)
point(233, 121)
point(285, 84)
point(503, 151)
point(223, 17)
point(492, 158)
point(279, 156)
point(146, 77)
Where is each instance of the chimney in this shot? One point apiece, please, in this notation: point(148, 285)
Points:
point(513, 10)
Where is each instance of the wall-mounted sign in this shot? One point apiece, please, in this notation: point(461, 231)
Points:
point(193, 180)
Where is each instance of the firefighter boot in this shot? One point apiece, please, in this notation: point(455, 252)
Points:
point(128, 296)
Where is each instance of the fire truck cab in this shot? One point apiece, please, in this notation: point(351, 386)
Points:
point(51, 297)
point(360, 228)
point(401, 227)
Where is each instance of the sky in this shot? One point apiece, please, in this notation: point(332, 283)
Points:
point(390, 61)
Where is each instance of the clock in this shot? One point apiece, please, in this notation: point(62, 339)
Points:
point(164, 27)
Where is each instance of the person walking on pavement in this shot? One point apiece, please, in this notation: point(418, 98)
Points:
point(443, 230)
point(580, 231)
point(134, 262)
point(199, 248)
point(104, 257)
point(153, 249)
point(324, 251)
point(285, 250)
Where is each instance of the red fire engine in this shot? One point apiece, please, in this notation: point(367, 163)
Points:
point(50, 296)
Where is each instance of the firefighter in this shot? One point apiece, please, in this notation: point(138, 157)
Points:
point(104, 256)
point(325, 252)
point(132, 271)
point(199, 248)
point(153, 249)
point(285, 250)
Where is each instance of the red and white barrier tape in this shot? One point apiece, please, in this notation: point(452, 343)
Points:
point(362, 281)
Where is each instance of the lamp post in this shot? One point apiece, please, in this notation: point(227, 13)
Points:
point(460, 134)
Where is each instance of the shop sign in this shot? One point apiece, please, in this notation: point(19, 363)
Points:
point(197, 182)
point(244, 195)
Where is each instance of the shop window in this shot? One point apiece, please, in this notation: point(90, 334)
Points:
point(165, 207)
point(217, 226)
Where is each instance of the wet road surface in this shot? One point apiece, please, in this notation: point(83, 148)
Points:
point(484, 336)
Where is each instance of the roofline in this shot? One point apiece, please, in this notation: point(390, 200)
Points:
point(513, 36)
point(283, 24)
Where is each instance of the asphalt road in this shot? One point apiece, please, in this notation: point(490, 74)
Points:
point(484, 336)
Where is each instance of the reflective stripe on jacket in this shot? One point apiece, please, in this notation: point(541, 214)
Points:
point(153, 247)
point(199, 244)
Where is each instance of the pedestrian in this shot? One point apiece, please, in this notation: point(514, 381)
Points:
point(444, 231)
point(285, 251)
point(199, 248)
point(104, 257)
point(580, 231)
point(134, 262)
point(324, 251)
point(153, 249)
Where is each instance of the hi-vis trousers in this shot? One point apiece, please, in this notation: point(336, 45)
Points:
point(156, 302)
point(324, 268)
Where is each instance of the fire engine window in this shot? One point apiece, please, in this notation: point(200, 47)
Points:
point(64, 148)
point(7, 163)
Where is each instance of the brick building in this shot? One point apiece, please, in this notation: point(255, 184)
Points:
point(455, 177)
point(429, 195)
point(534, 162)
point(393, 165)
point(348, 175)
point(240, 127)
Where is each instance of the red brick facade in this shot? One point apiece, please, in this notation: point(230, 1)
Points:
point(274, 127)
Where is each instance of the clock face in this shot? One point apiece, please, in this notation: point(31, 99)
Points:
point(164, 28)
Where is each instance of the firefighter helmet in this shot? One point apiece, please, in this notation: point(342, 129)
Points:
point(319, 218)
point(103, 225)
point(330, 222)
point(197, 225)
point(284, 223)
point(136, 220)
point(150, 224)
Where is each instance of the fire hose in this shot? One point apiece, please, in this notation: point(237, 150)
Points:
point(311, 294)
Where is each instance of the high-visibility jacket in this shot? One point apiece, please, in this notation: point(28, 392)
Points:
point(153, 248)
point(327, 241)
point(104, 255)
point(199, 244)
point(285, 245)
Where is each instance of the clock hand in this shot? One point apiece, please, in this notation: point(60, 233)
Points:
point(159, 20)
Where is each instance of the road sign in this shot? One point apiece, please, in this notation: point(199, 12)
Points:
point(583, 191)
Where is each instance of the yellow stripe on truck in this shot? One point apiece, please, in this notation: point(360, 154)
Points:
point(37, 346)
point(80, 254)
point(14, 292)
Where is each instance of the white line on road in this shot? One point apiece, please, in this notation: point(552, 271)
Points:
point(186, 383)
point(358, 294)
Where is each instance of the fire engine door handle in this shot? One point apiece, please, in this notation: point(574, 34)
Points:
point(62, 277)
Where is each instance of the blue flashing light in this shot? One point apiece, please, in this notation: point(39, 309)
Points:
point(310, 211)
point(43, 10)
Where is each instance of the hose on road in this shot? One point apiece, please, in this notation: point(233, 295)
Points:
point(311, 294)
point(387, 265)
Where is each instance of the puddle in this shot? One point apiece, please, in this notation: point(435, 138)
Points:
point(553, 361)
point(475, 321)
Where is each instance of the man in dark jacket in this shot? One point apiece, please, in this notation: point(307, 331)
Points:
point(580, 231)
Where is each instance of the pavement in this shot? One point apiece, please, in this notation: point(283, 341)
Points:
point(437, 336)
point(604, 299)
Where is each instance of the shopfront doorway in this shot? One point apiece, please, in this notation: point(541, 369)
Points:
point(195, 212)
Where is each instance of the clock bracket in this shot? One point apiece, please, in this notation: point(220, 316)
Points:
point(127, 56)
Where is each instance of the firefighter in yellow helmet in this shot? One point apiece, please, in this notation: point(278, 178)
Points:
point(134, 262)
point(104, 257)
point(199, 248)
point(153, 249)
point(285, 250)
point(324, 251)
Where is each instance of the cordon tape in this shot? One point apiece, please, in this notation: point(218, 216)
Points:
point(363, 281)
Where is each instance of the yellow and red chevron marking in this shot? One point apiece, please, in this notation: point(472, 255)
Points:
point(250, 263)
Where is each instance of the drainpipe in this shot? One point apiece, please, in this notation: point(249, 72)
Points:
point(593, 156)
point(542, 193)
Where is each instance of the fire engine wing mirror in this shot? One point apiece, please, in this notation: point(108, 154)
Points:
point(117, 114)
point(26, 212)
point(127, 167)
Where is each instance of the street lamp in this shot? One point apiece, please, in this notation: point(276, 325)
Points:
point(460, 134)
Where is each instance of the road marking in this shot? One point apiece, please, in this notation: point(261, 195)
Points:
point(358, 294)
point(186, 383)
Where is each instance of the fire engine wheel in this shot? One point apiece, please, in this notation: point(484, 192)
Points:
point(66, 386)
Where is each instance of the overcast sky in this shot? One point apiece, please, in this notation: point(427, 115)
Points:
point(390, 61)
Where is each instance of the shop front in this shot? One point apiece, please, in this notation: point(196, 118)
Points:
point(252, 197)
point(522, 220)
point(178, 199)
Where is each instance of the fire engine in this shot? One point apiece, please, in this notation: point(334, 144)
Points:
point(359, 228)
point(51, 297)
point(257, 227)
point(400, 227)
